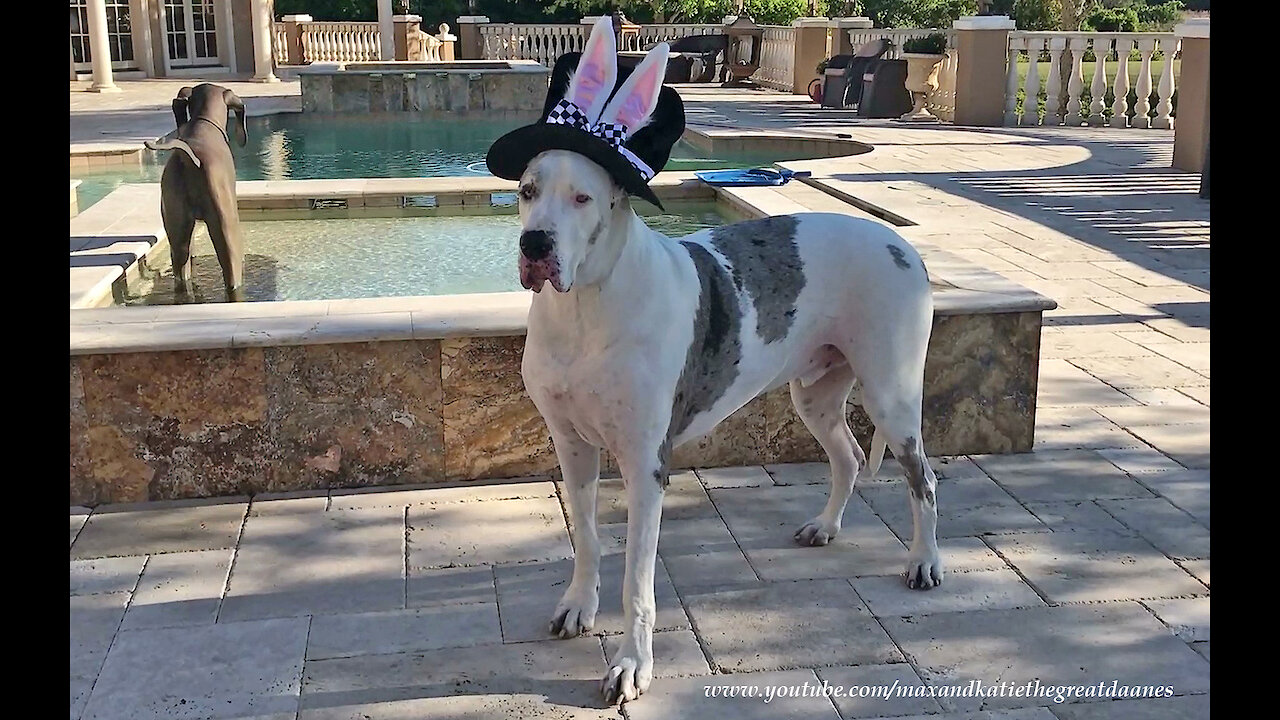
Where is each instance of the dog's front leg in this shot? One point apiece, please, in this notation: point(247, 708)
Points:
point(580, 463)
point(631, 668)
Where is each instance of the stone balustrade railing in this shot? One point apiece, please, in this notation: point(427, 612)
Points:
point(897, 36)
point(425, 46)
point(280, 43)
point(1052, 55)
point(942, 101)
point(777, 58)
point(340, 41)
point(650, 35)
point(529, 41)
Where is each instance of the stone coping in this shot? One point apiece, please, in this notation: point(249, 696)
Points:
point(960, 288)
point(321, 322)
point(382, 67)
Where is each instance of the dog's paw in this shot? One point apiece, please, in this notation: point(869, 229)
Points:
point(629, 676)
point(816, 532)
point(575, 613)
point(924, 572)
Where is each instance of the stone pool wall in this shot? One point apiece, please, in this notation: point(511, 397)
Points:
point(239, 420)
point(346, 88)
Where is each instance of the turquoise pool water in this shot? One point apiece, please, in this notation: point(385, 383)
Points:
point(387, 257)
point(305, 145)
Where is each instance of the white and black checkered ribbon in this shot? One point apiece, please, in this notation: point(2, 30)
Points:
point(567, 113)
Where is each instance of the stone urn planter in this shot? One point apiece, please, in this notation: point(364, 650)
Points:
point(922, 79)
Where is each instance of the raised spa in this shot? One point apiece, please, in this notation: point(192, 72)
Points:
point(455, 87)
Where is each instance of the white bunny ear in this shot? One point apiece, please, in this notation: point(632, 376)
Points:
point(597, 71)
point(636, 100)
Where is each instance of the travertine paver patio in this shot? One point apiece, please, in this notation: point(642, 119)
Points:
point(1086, 561)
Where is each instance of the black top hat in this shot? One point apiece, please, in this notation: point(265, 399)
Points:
point(563, 126)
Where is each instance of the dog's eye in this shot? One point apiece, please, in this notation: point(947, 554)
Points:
point(582, 199)
point(526, 192)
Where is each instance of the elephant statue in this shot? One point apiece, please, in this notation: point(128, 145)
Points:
point(199, 183)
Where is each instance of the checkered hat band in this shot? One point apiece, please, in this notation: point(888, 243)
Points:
point(567, 113)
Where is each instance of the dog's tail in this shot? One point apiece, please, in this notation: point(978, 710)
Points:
point(877, 453)
point(171, 142)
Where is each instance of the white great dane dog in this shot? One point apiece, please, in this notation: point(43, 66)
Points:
point(647, 342)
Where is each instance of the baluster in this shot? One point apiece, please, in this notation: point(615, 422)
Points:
point(1053, 84)
point(1142, 110)
point(1076, 82)
point(1031, 100)
point(1120, 108)
point(1098, 89)
point(1164, 108)
point(1011, 82)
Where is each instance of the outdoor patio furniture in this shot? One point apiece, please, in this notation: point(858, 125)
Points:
point(679, 67)
point(706, 53)
point(884, 90)
point(842, 80)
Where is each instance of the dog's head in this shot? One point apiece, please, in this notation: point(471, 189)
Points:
point(569, 204)
point(212, 102)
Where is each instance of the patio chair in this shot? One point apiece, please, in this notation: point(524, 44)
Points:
point(692, 59)
point(884, 90)
point(842, 81)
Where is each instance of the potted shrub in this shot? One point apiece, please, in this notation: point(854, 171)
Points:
point(923, 55)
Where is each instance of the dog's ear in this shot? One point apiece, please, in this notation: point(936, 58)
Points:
point(180, 113)
point(597, 70)
point(236, 105)
point(636, 100)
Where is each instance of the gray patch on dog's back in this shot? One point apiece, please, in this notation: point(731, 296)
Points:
point(765, 262)
point(899, 257)
point(711, 365)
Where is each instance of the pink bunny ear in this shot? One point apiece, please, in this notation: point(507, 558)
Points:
point(636, 99)
point(597, 71)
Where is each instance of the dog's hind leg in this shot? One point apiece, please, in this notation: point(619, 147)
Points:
point(821, 406)
point(899, 420)
point(580, 464)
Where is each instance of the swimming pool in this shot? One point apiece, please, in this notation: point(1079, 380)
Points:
point(387, 257)
point(296, 146)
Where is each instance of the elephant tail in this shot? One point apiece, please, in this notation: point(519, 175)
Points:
point(170, 142)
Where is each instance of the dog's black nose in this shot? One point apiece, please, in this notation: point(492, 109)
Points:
point(535, 244)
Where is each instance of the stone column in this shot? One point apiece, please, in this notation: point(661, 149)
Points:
point(1191, 131)
point(982, 48)
point(263, 59)
point(386, 31)
point(810, 49)
point(840, 27)
point(293, 36)
point(406, 26)
point(470, 44)
point(99, 48)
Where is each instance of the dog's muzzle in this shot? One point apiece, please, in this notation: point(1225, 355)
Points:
point(537, 263)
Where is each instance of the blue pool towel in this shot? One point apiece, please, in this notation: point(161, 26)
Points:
point(752, 176)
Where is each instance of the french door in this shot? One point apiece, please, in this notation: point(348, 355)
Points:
point(191, 34)
point(119, 35)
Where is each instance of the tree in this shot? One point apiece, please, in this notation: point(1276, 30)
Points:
point(765, 12)
point(917, 13)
